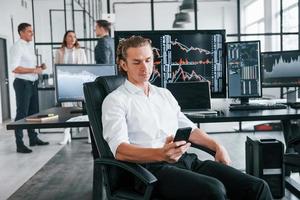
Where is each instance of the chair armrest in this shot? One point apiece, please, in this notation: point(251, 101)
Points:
point(292, 159)
point(140, 172)
point(203, 148)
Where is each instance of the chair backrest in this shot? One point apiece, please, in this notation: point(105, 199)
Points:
point(95, 92)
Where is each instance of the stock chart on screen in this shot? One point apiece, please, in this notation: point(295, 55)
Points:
point(281, 68)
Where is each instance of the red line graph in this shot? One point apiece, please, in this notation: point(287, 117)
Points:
point(186, 61)
point(155, 75)
point(188, 49)
point(186, 76)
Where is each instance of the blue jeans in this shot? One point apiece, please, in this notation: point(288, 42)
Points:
point(27, 104)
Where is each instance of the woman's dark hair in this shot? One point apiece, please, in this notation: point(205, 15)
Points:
point(104, 23)
point(22, 27)
point(125, 44)
point(64, 43)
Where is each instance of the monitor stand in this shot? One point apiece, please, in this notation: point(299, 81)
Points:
point(291, 95)
point(79, 110)
point(243, 101)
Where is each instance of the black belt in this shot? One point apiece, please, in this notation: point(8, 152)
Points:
point(27, 81)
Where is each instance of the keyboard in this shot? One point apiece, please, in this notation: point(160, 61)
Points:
point(204, 112)
point(257, 106)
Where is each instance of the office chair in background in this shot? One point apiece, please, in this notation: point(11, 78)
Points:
point(118, 178)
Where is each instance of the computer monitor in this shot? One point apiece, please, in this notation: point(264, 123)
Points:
point(186, 56)
point(69, 79)
point(281, 69)
point(244, 70)
point(191, 95)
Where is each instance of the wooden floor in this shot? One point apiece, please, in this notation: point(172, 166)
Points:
point(68, 175)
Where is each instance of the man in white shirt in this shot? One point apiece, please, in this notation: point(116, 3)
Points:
point(139, 124)
point(23, 65)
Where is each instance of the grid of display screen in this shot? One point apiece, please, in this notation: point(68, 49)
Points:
point(244, 69)
point(69, 79)
point(281, 69)
point(186, 56)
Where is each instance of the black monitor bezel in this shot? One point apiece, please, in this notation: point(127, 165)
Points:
point(278, 85)
point(61, 100)
point(260, 70)
point(221, 94)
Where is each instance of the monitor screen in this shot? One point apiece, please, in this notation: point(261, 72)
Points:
point(191, 95)
point(244, 70)
point(281, 69)
point(69, 79)
point(181, 56)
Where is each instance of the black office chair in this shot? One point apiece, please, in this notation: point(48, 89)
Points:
point(291, 160)
point(119, 178)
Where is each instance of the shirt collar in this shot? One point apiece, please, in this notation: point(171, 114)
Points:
point(134, 89)
point(24, 42)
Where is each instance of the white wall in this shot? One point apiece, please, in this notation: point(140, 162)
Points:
point(18, 13)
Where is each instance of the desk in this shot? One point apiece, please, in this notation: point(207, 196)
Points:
point(284, 115)
point(64, 114)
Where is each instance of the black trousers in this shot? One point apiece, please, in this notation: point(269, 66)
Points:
point(27, 104)
point(191, 179)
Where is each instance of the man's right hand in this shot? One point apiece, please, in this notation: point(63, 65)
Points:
point(172, 151)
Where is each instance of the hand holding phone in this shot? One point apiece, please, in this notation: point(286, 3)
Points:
point(183, 134)
point(43, 66)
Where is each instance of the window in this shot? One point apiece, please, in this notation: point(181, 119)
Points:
point(252, 17)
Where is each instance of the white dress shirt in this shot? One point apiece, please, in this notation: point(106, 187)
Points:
point(22, 54)
point(129, 116)
point(70, 56)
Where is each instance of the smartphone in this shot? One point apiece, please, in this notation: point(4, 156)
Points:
point(183, 134)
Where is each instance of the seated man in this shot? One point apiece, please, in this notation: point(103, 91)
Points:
point(139, 124)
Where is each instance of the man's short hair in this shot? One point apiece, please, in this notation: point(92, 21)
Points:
point(22, 27)
point(104, 23)
point(125, 44)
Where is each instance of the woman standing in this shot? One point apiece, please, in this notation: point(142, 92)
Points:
point(104, 50)
point(69, 53)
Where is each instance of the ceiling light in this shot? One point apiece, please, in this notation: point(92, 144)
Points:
point(176, 25)
point(187, 6)
point(182, 18)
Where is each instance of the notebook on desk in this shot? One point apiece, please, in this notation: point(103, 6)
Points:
point(192, 97)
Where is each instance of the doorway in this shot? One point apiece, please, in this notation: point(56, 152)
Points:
point(4, 85)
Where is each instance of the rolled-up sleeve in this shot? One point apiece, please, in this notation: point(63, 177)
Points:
point(183, 121)
point(114, 123)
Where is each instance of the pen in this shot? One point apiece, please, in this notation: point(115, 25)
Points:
point(46, 115)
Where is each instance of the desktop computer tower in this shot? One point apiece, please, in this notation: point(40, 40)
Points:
point(264, 160)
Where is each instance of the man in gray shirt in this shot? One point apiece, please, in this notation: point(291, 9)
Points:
point(104, 50)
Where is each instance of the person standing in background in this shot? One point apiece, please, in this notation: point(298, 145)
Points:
point(24, 66)
point(69, 53)
point(104, 50)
